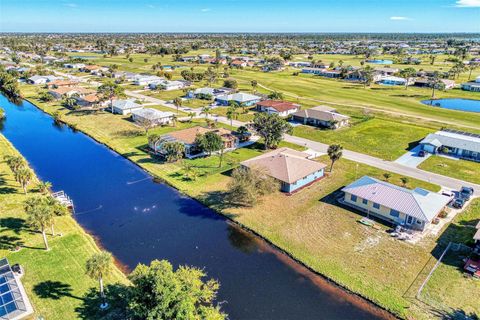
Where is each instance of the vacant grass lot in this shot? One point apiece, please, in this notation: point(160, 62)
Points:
point(460, 169)
point(377, 137)
point(448, 289)
point(55, 280)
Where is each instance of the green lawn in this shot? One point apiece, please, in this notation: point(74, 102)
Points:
point(55, 280)
point(377, 137)
point(244, 117)
point(448, 288)
point(460, 169)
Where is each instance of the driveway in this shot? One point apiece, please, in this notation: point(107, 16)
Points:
point(411, 158)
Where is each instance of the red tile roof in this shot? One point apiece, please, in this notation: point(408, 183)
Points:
point(278, 105)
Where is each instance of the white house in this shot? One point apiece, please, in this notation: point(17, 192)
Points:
point(145, 80)
point(282, 108)
point(167, 85)
point(151, 116)
point(41, 79)
point(125, 107)
point(472, 85)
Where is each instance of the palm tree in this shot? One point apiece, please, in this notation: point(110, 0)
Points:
point(254, 84)
point(14, 162)
point(471, 67)
point(58, 211)
point(174, 120)
point(334, 153)
point(404, 180)
point(99, 266)
point(232, 114)
point(178, 103)
point(387, 176)
point(40, 216)
point(24, 176)
point(206, 111)
point(44, 187)
point(69, 102)
point(110, 90)
point(408, 74)
point(434, 81)
point(191, 115)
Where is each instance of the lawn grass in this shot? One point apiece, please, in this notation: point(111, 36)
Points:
point(449, 289)
point(460, 169)
point(244, 117)
point(54, 280)
point(309, 225)
point(377, 137)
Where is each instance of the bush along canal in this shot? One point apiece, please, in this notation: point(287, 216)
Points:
point(139, 220)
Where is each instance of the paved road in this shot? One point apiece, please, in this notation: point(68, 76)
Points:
point(447, 182)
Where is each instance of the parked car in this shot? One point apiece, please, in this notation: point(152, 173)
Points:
point(421, 153)
point(466, 192)
point(458, 203)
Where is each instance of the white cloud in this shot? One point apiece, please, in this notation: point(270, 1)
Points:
point(206, 9)
point(467, 3)
point(71, 5)
point(399, 18)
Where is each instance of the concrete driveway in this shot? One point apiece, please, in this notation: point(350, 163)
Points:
point(411, 158)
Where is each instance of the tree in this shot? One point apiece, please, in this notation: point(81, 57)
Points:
point(232, 114)
point(408, 74)
point(248, 184)
point(191, 115)
point(69, 102)
point(254, 85)
point(471, 67)
point(206, 111)
point(173, 151)
point(404, 181)
point(335, 152)
point(40, 216)
point(210, 142)
point(45, 96)
point(276, 95)
point(367, 76)
point(44, 186)
point(178, 103)
point(189, 172)
point(23, 176)
point(434, 81)
point(2, 114)
point(110, 90)
point(271, 127)
point(387, 176)
point(159, 292)
point(15, 162)
point(230, 83)
point(99, 266)
point(145, 123)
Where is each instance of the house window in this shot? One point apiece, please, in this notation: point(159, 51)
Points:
point(353, 198)
point(376, 205)
point(364, 201)
point(394, 213)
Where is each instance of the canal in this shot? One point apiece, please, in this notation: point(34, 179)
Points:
point(139, 220)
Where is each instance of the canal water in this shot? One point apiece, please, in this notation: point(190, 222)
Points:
point(139, 220)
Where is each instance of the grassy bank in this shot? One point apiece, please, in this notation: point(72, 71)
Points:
point(460, 169)
point(55, 280)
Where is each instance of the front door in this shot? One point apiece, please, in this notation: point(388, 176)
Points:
point(409, 220)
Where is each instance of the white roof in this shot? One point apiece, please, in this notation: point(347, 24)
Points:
point(240, 97)
point(393, 78)
point(477, 79)
point(125, 104)
point(461, 140)
point(152, 114)
point(418, 203)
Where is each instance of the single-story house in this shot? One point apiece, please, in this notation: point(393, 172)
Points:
point(212, 92)
point(125, 107)
point(327, 73)
point(59, 93)
point(244, 99)
point(292, 168)
point(41, 79)
point(93, 69)
point(90, 100)
point(62, 83)
point(459, 144)
point(153, 116)
point(145, 80)
point(74, 65)
point(447, 83)
point(299, 64)
point(413, 209)
point(394, 81)
point(238, 63)
point(188, 58)
point(282, 108)
point(472, 85)
point(386, 71)
point(313, 70)
point(321, 116)
point(188, 136)
point(168, 85)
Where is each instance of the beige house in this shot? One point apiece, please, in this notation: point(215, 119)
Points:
point(321, 116)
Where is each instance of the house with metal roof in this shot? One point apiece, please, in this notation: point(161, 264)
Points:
point(243, 99)
point(454, 143)
point(125, 107)
point(472, 85)
point(282, 108)
point(293, 169)
point(321, 116)
point(152, 116)
point(414, 209)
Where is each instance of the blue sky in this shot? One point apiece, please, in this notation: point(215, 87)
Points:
point(240, 16)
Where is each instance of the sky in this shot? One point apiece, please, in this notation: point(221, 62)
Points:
point(240, 16)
